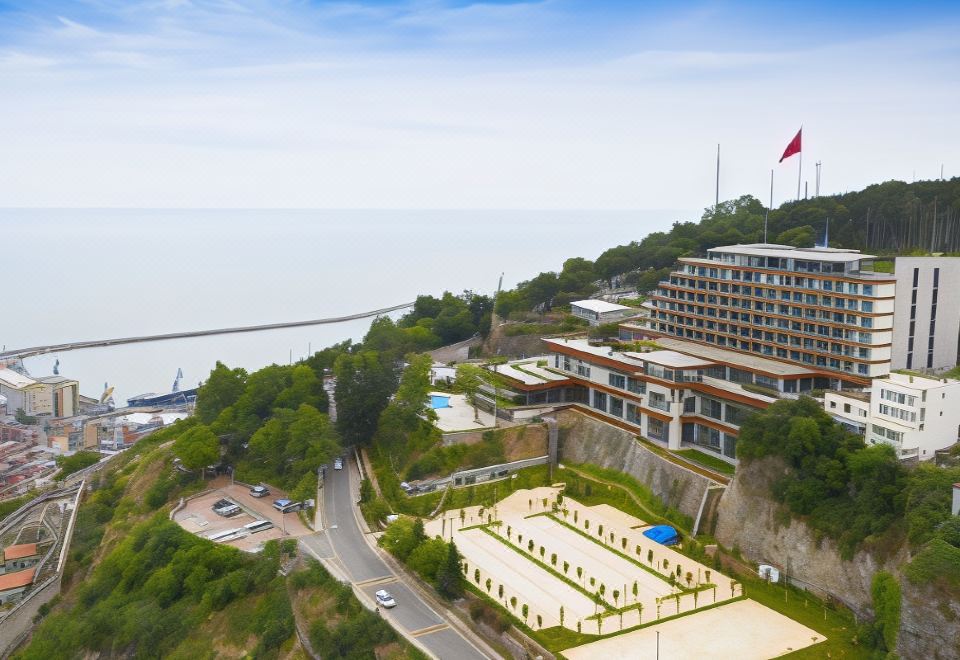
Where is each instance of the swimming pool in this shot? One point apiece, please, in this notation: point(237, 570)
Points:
point(439, 401)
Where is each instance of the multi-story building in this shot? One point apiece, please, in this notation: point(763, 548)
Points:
point(683, 394)
point(823, 308)
point(915, 414)
point(53, 396)
point(926, 326)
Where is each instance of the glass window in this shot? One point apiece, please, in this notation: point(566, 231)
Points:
point(616, 406)
point(617, 380)
point(600, 400)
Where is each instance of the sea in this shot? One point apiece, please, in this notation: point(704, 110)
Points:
point(84, 274)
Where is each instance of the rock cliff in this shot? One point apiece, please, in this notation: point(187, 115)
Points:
point(763, 531)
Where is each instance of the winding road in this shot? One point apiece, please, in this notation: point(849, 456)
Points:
point(343, 544)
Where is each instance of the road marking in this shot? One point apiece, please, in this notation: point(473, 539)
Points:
point(376, 581)
point(429, 629)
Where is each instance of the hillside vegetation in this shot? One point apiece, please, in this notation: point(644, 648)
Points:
point(884, 219)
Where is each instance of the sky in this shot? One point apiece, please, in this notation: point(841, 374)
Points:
point(433, 104)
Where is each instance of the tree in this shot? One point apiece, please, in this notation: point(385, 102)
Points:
point(616, 596)
point(401, 538)
point(364, 386)
point(561, 615)
point(488, 584)
point(450, 576)
point(222, 389)
point(427, 557)
point(470, 378)
point(197, 448)
point(525, 611)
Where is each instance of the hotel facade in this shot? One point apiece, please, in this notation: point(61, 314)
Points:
point(823, 308)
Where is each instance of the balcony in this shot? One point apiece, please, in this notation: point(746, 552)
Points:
point(657, 404)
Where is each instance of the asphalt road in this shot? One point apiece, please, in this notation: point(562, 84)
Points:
point(343, 541)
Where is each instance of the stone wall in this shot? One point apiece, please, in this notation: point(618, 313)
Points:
point(584, 439)
point(929, 623)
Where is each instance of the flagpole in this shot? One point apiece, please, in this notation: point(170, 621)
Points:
point(767, 214)
point(799, 172)
point(717, 197)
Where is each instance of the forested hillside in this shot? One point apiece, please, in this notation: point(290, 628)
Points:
point(884, 219)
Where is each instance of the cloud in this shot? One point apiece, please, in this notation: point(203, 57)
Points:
point(427, 104)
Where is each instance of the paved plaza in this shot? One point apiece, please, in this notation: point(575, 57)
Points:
point(589, 568)
point(745, 630)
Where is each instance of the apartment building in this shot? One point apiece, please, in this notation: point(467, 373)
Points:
point(822, 308)
point(916, 415)
point(683, 394)
point(926, 327)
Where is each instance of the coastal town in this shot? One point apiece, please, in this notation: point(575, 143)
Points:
point(474, 330)
point(680, 367)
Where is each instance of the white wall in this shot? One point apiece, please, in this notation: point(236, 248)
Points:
point(947, 327)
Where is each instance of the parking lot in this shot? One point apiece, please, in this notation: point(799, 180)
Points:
point(198, 517)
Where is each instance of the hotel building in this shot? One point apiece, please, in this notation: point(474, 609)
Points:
point(822, 308)
point(681, 395)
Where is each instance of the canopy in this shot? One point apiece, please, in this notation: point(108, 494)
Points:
point(663, 534)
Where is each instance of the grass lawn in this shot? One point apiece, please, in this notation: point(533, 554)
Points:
point(706, 460)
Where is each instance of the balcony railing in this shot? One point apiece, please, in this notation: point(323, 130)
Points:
point(659, 405)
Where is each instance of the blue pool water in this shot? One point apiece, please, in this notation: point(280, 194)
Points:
point(438, 401)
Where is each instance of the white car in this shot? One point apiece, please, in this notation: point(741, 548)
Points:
point(338, 464)
point(384, 599)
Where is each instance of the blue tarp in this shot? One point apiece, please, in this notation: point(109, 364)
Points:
point(663, 534)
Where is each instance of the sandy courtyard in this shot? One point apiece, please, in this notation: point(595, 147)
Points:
point(744, 630)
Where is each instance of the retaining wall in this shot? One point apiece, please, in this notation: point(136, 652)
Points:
point(587, 440)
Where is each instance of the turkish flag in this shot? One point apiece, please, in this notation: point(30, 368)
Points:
point(793, 147)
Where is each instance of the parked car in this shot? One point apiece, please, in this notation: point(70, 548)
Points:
point(219, 504)
point(338, 464)
point(228, 511)
point(259, 491)
point(286, 506)
point(384, 599)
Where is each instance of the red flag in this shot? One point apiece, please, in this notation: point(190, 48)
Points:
point(793, 147)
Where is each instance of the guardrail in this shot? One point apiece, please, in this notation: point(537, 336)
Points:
point(478, 475)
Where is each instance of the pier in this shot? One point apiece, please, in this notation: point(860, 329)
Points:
point(96, 343)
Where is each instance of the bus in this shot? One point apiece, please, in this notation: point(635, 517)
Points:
point(258, 526)
point(217, 537)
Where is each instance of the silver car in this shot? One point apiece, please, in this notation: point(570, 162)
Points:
point(384, 599)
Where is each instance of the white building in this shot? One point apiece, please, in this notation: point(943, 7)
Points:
point(926, 330)
point(914, 414)
point(598, 312)
point(851, 409)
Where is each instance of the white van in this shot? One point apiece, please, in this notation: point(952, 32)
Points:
point(258, 526)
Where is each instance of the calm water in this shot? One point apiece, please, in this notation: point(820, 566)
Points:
point(91, 274)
